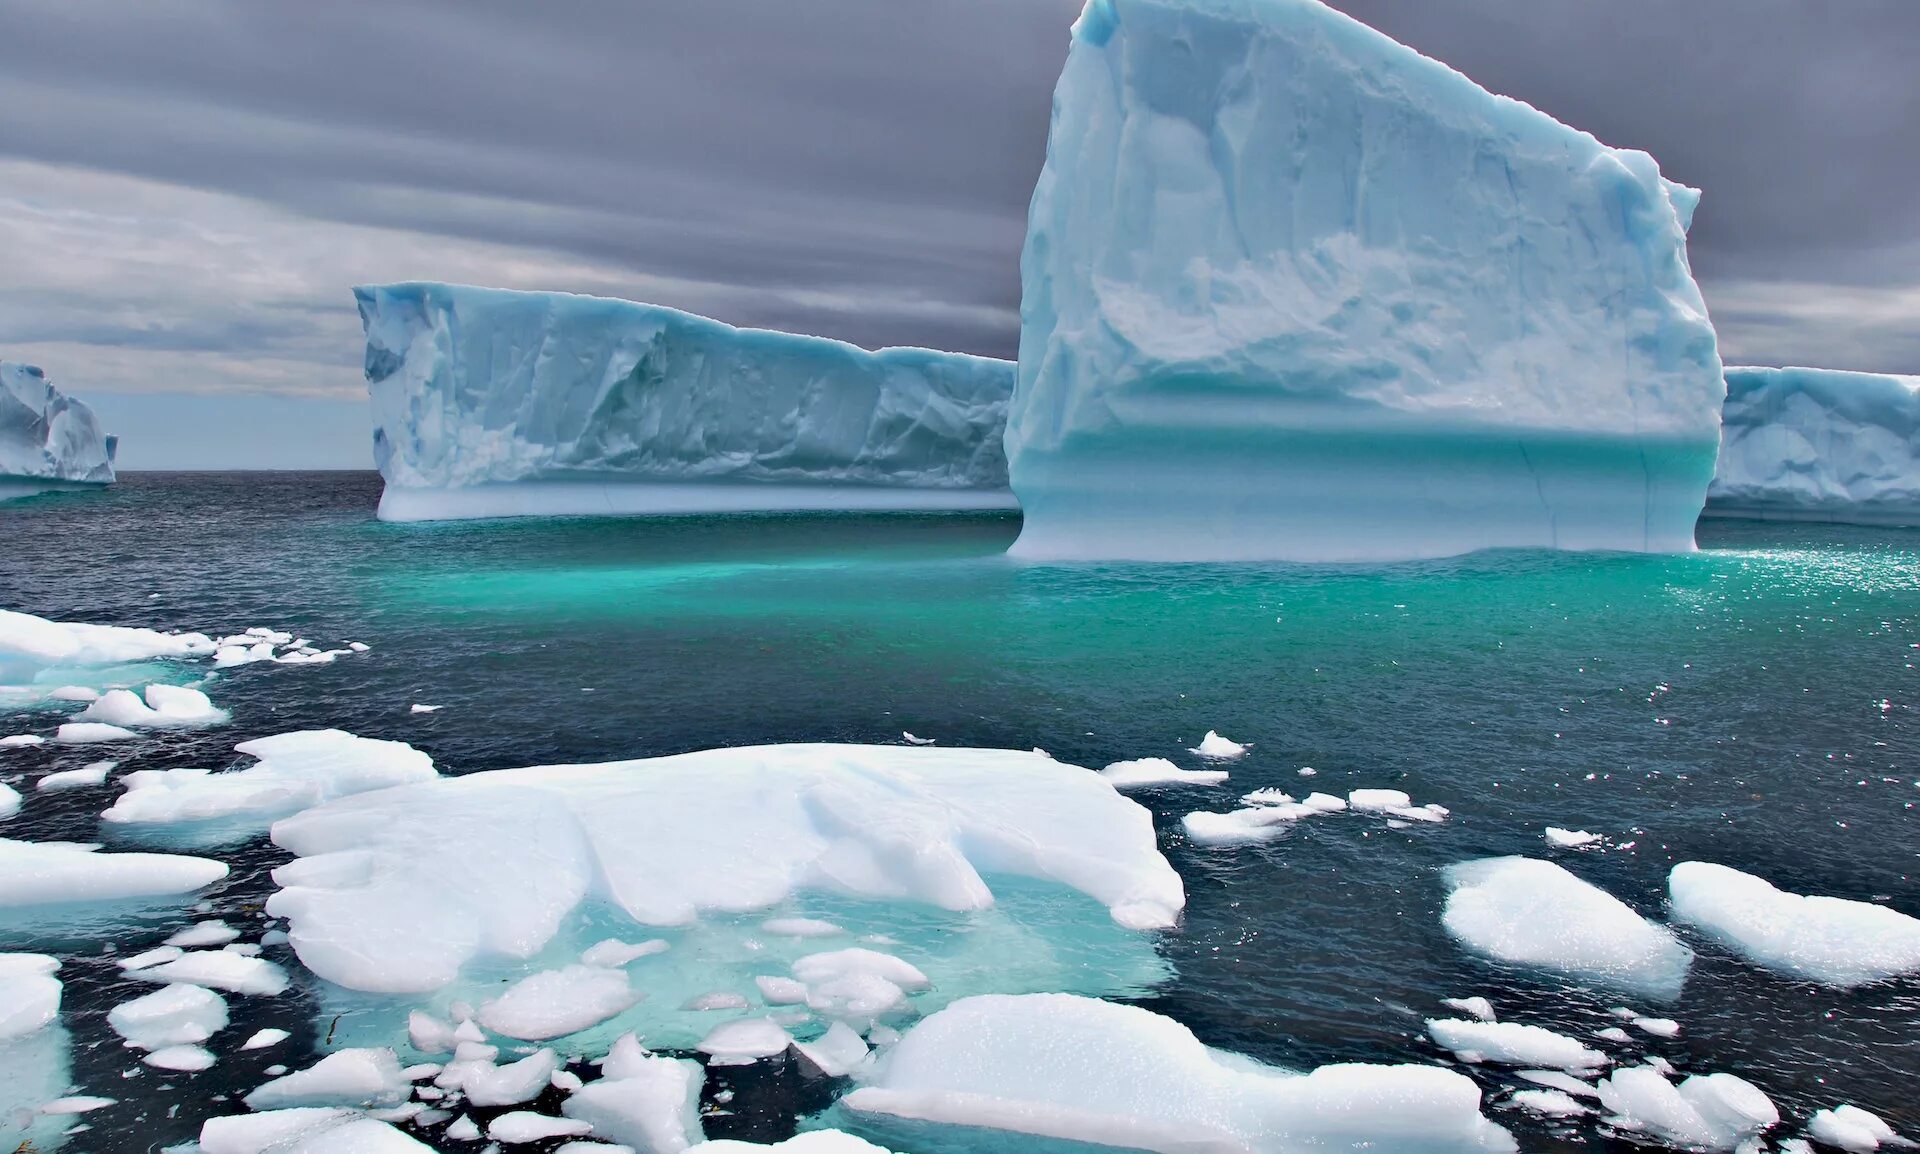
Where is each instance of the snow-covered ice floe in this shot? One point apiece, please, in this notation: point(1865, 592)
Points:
point(44, 874)
point(158, 707)
point(305, 1130)
point(1833, 941)
point(1148, 771)
point(1534, 913)
point(987, 869)
point(1292, 290)
point(48, 440)
point(292, 772)
point(1512, 1044)
point(1076, 1069)
point(32, 647)
point(1819, 445)
point(1713, 1112)
point(490, 403)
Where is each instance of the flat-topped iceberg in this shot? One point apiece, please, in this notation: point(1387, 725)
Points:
point(1294, 291)
point(488, 403)
point(1819, 445)
point(48, 440)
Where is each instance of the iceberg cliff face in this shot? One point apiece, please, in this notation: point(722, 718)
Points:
point(1819, 445)
point(1292, 290)
point(488, 403)
point(47, 439)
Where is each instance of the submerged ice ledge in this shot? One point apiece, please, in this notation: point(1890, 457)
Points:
point(488, 402)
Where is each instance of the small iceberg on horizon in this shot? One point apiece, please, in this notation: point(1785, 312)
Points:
point(48, 440)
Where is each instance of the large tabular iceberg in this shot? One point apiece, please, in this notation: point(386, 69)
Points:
point(48, 440)
point(495, 403)
point(1292, 290)
point(1819, 445)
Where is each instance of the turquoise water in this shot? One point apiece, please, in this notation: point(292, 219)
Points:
point(1751, 704)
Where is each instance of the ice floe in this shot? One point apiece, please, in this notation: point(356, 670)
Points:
point(1078, 1069)
point(91, 774)
point(185, 1058)
point(175, 1016)
point(29, 994)
point(395, 890)
point(1571, 838)
point(1716, 1112)
point(1853, 1129)
point(1534, 913)
point(812, 1142)
point(1833, 941)
point(305, 1130)
point(647, 1101)
point(220, 970)
point(1476, 1007)
point(520, 1126)
point(91, 733)
point(30, 646)
point(1512, 1044)
point(1269, 812)
point(261, 1039)
point(554, 1003)
point(744, 1040)
point(1219, 748)
point(10, 800)
point(1158, 771)
point(1549, 1103)
point(370, 1078)
point(292, 772)
point(159, 707)
point(55, 872)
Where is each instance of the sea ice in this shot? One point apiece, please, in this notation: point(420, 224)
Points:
point(305, 1130)
point(1292, 290)
point(91, 733)
point(1549, 1103)
point(9, 800)
point(518, 1126)
point(812, 1142)
point(1715, 1112)
point(1830, 940)
point(493, 403)
point(29, 994)
point(1158, 771)
point(1083, 1070)
point(211, 933)
point(554, 1003)
point(1534, 913)
point(743, 1041)
point(91, 774)
point(1511, 1044)
point(801, 928)
point(162, 707)
point(293, 771)
point(838, 1052)
point(614, 952)
point(1853, 1129)
point(221, 970)
point(55, 872)
point(644, 1100)
point(1570, 838)
point(1218, 748)
point(184, 1058)
point(370, 1078)
point(393, 891)
point(1476, 1007)
point(487, 1084)
point(47, 439)
point(261, 1039)
point(30, 646)
point(175, 1016)
point(1819, 445)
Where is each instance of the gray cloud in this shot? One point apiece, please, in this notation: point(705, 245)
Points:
point(858, 168)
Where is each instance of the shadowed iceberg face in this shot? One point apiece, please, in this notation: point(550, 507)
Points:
point(494, 403)
point(48, 440)
point(1294, 291)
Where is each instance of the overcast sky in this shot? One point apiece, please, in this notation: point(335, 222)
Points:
point(188, 189)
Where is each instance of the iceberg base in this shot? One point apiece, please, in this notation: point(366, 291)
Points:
point(14, 488)
point(631, 499)
point(1904, 515)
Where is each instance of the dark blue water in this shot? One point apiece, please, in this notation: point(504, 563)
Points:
point(1752, 704)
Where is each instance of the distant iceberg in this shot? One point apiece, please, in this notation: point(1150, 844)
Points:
point(492, 403)
point(1294, 291)
point(1819, 445)
point(48, 440)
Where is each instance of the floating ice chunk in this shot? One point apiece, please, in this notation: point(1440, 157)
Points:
point(228, 656)
point(1549, 1103)
point(613, 952)
point(1530, 912)
point(1570, 838)
point(1658, 1027)
point(49, 872)
point(78, 1104)
point(358, 646)
point(778, 991)
point(91, 774)
point(464, 1129)
point(1819, 445)
point(91, 733)
point(1158, 771)
point(418, 708)
point(20, 740)
point(1830, 940)
point(261, 1039)
point(486, 1084)
point(1237, 827)
point(1219, 748)
point(1254, 329)
point(294, 771)
point(429, 1034)
point(29, 994)
point(554, 1003)
point(1614, 1034)
point(910, 739)
point(1324, 803)
point(1020, 1064)
point(213, 933)
point(358, 1077)
point(615, 406)
point(221, 970)
point(814, 969)
point(811, 1142)
point(9, 800)
point(1716, 1112)
point(801, 928)
point(1379, 800)
point(30, 645)
point(1477, 1008)
point(306, 1130)
point(185, 1058)
point(717, 1000)
point(48, 440)
point(1559, 1080)
point(744, 1041)
point(641, 1099)
point(394, 890)
point(1853, 1129)
point(152, 957)
point(74, 693)
point(838, 1052)
point(1511, 1044)
point(164, 707)
point(176, 1016)
point(520, 1126)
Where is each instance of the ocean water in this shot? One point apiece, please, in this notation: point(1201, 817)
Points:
point(1752, 704)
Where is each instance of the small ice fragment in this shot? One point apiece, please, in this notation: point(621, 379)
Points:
point(521, 1126)
point(1204, 827)
point(261, 1039)
point(912, 740)
point(152, 957)
point(29, 994)
point(1614, 1034)
point(778, 991)
point(9, 800)
point(463, 1129)
point(838, 1052)
point(1548, 1103)
point(554, 1003)
point(1476, 1007)
point(220, 970)
point(429, 1034)
point(1378, 800)
point(1570, 838)
point(418, 708)
point(716, 1000)
point(1559, 1080)
point(1218, 748)
point(743, 1041)
point(358, 646)
point(187, 1059)
point(1511, 1044)
point(1158, 771)
point(1853, 1129)
point(178, 1015)
point(41, 873)
point(21, 739)
point(90, 732)
point(1308, 771)
point(352, 1077)
point(486, 1084)
point(613, 952)
point(565, 1081)
point(800, 928)
point(1658, 1027)
point(78, 1104)
point(91, 774)
point(211, 933)
point(1324, 803)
